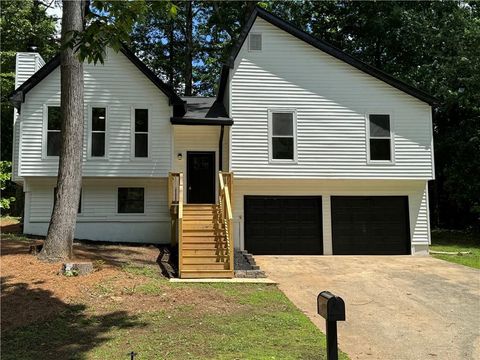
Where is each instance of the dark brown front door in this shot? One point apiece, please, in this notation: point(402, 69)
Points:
point(201, 177)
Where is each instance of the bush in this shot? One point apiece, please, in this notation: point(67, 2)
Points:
point(6, 186)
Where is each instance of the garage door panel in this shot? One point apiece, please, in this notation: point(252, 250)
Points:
point(373, 225)
point(283, 225)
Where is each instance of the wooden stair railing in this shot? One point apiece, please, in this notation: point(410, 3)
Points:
point(175, 201)
point(226, 214)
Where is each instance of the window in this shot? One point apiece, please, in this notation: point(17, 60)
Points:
point(283, 136)
point(98, 133)
point(54, 136)
point(141, 133)
point(255, 42)
point(131, 200)
point(79, 210)
point(380, 142)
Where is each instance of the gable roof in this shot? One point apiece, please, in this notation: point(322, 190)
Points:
point(321, 45)
point(18, 96)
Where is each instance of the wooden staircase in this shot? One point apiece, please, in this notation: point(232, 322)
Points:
point(202, 232)
point(204, 252)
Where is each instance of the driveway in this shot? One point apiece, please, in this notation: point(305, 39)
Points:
point(397, 307)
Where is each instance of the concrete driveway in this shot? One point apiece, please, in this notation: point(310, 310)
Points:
point(398, 307)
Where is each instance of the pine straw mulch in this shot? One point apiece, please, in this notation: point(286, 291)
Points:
point(126, 278)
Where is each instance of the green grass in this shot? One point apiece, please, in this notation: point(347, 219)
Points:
point(257, 322)
point(457, 241)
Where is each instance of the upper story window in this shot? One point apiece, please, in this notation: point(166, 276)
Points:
point(380, 138)
point(54, 136)
point(255, 42)
point(141, 125)
point(282, 141)
point(131, 200)
point(98, 131)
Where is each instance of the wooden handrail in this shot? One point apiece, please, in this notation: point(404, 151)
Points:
point(175, 203)
point(226, 213)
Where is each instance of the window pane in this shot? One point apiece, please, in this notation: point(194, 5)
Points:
point(380, 125)
point(98, 119)
point(380, 149)
point(141, 120)
point(255, 41)
point(54, 118)
point(98, 144)
point(130, 200)
point(282, 148)
point(53, 143)
point(141, 145)
point(282, 124)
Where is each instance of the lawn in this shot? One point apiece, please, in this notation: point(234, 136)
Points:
point(126, 305)
point(457, 241)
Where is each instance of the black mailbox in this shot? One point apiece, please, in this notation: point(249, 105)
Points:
point(330, 307)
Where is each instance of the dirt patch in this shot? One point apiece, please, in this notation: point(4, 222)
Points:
point(126, 278)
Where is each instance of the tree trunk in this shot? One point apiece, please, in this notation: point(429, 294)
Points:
point(59, 242)
point(189, 50)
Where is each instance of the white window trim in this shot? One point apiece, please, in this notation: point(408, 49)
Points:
point(144, 202)
point(45, 131)
point(132, 132)
point(392, 137)
point(270, 136)
point(261, 38)
point(90, 131)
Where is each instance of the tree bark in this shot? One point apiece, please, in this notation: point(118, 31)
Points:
point(189, 50)
point(59, 242)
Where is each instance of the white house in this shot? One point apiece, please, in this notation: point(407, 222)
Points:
point(328, 154)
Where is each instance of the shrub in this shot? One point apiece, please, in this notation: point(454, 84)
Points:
point(6, 186)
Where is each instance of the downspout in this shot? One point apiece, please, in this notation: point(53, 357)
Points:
point(220, 149)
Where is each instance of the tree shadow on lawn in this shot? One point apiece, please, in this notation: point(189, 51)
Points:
point(37, 325)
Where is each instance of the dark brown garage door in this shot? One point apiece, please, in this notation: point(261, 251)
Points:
point(370, 225)
point(281, 225)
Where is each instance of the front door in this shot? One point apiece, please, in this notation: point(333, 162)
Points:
point(201, 177)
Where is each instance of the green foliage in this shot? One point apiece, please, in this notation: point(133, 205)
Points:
point(22, 23)
point(5, 184)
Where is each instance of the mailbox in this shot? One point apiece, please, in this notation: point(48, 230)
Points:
point(330, 307)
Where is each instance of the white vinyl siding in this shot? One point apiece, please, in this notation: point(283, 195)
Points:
point(99, 219)
point(331, 99)
point(416, 190)
point(118, 85)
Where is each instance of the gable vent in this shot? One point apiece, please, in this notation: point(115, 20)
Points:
point(255, 42)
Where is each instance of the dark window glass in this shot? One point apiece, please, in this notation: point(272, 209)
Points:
point(379, 126)
point(54, 118)
point(380, 149)
point(282, 148)
point(282, 124)
point(98, 144)
point(79, 210)
point(98, 119)
point(141, 120)
point(54, 136)
point(130, 200)
point(141, 145)
point(54, 139)
point(99, 125)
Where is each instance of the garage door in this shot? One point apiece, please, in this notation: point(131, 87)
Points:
point(370, 225)
point(281, 225)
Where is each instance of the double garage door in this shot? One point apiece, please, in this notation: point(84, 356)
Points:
point(361, 225)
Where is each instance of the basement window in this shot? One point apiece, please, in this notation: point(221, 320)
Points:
point(141, 133)
point(380, 138)
point(98, 132)
point(282, 139)
point(131, 200)
point(54, 136)
point(255, 42)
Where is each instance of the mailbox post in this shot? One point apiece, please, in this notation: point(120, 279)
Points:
point(332, 309)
